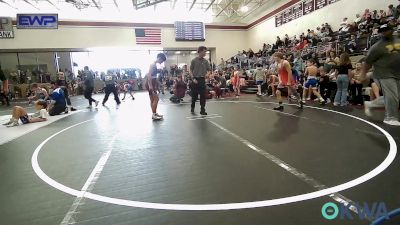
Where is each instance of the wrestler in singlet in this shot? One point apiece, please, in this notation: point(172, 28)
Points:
point(154, 82)
point(284, 76)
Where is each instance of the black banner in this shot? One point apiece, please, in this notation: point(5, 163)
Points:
point(319, 4)
point(308, 7)
point(300, 9)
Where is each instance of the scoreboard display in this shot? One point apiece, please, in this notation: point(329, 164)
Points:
point(189, 31)
point(304, 7)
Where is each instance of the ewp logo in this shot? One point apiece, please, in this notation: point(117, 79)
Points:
point(331, 211)
point(32, 21)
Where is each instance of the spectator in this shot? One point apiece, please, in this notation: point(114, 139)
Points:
point(250, 53)
point(324, 85)
point(358, 19)
point(344, 71)
point(351, 46)
point(19, 113)
point(391, 12)
point(344, 26)
point(4, 88)
point(287, 40)
point(222, 64)
point(356, 86)
point(279, 42)
point(260, 79)
point(367, 15)
point(298, 64)
point(382, 13)
point(179, 90)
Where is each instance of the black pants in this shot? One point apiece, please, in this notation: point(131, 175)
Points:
point(110, 88)
point(88, 94)
point(325, 90)
point(199, 89)
point(356, 93)
point(57, 110)
point(67, 96)
point(4, 97)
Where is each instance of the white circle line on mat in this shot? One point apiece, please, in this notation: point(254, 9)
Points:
point(225, 206)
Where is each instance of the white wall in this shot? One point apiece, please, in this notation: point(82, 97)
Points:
point(226, 42)
point(266, 31)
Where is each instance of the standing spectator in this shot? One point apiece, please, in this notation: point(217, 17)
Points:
point(279, 42)
point(385, 59)
point(356, 86)
point(260, 78)
point(222, 64)
point(89, 86)
point(298, 64)
point(4, 88)
point(344, 71)
point(287, 40)
point(391, 12)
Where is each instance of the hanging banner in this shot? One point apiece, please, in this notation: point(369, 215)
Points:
point(308, 7)
point(6, 28)
point(319, 4)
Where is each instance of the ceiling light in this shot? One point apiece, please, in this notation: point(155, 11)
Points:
point(244, 8)
point(178, 52)
point(193, 52)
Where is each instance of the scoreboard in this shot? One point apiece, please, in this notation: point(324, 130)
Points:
point(189, 31)
point(304, 7)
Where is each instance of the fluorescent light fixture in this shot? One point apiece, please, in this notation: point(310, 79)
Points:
point(178, 52)
point(244, 9)
point(193, 52)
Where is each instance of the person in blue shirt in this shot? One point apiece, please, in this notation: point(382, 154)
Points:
point(58, 104)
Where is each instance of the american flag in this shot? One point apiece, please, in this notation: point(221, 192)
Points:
point(150, 36)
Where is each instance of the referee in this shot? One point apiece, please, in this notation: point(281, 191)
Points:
point(199, 68)
point(110, 81)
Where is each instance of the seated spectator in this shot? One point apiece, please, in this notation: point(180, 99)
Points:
point(19, 113)
point(179, 90)
point(58, 103)
point(382, 13)
point(37, 93)
point(358, 19)
point(375, 16)
point(250, 53)
point(344, 26)
point(367, 15)
point(351, 46)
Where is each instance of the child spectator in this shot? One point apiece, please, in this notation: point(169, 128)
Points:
point(179, 90)
point(356, 86)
